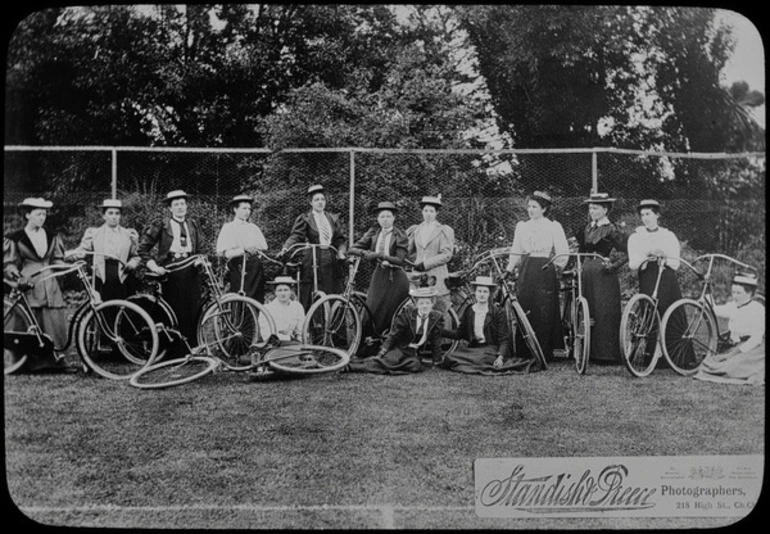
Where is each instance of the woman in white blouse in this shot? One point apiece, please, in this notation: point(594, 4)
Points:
point(288, 313)
point(534, 242)
point(239, 239)
point(744, 360)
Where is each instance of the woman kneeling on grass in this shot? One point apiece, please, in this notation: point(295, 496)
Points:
point(485, 329)
point(744, 360)
point(414, 327)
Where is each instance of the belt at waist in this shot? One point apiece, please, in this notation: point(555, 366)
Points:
point(111, 261)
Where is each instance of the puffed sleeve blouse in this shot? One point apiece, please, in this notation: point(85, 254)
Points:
point(539, 237)
point(644, 242)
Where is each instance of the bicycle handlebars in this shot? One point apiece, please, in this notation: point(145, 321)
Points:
point(578, 255)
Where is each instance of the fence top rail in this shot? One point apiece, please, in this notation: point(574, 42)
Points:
point(299, 150)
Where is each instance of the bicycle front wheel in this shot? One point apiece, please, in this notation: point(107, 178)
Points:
point(15, 319)
point(173, 372)
point(639, 334)
point(307, 359)
point(528, 333)
point(689, 334)
point(116, 339)
point(582, 341)
point(333, 321)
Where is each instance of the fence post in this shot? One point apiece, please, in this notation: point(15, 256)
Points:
point(351, 201)
point(114, 182)
point(594, 172)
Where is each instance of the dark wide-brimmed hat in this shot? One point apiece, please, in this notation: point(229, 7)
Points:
point(108, 203)
point(746, 279)
point(175, 194)
point(648, 203)
point(484, 281)
point(36, 203)
point(283, 280)
point(431, 201)
point(317, 188)
point(385, 206)
point(542, 197)
point(242, 198)
point(599, 198)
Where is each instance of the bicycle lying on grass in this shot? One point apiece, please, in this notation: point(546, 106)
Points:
point(114, 338)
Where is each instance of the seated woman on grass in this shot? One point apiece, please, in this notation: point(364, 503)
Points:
point(486, 332)
point(744, 360)
point(414, 327)
point(288, 314)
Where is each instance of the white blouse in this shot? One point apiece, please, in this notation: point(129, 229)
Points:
point(288, 318)
point(237, 235)
point(540, 238)
point(746, 320)
point(659, 242)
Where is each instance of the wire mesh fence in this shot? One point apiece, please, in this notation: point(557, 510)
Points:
point(713, 203)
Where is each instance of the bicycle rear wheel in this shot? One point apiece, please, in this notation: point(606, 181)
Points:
point(230, 327)
point(528, 333)
point(15, 319)
point(332, 321)
point(689, 334)
point(173, 372)
point(116, 339)
point(582, 343)
point(639, 334)
point(307, 359)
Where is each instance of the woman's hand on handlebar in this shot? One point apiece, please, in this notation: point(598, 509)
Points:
point(155, 268)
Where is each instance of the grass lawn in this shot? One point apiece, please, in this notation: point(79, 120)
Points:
point(347, 450)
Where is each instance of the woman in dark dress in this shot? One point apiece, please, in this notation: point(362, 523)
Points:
point(387, 245)
point(318, 226)
point(485, 329)
point(601, 286)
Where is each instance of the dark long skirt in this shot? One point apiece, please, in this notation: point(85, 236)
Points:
point(331, 276)
point(538, 293)
point(182, 291)
point(253, 281)
point(394, 362)
point(112, 288)
point(480, 360)
point(602, 291)
point(668, 293)
point(387, 290)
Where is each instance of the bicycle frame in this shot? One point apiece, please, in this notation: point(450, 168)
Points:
point(297, 248)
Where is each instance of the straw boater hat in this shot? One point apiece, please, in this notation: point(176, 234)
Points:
point(313, 189)
point(599, 198)
point(422, 292)
point(484, 281)
point(283, 280)
point(648, 203)
point(542, 196)
point(431, 201)
point(111, 203)
point(389, 206)
point(36, 203)
point(173, 195)
point(241, 198)
point(745, 279)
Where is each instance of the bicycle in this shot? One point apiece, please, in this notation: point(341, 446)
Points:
point(689, 328)
point(295, 249)
point(97, 327)
point(575, 314)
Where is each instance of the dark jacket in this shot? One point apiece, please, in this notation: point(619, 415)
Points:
point(399, 244)
point(305, 230)
point(496, 331)
point(160, 233)
point(402, 333)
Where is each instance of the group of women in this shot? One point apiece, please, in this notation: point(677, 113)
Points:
point(429, 247)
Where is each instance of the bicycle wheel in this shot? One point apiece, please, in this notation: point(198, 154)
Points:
point(116, 339)
point(230, 328)
point(307, 359)
point(582, 344)
point(639, 334)
point(528, 333)
point(173, 372)
point(15, 319)
point(333, 321)
point(448, 345)
point(160, 313)
point(689, 334)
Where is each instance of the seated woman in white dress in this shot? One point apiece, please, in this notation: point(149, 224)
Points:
point(744, 361)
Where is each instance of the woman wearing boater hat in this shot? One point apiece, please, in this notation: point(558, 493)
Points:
point(601, 286)
point(25, 252)
point(238, 239)
point(113, 239)
point(319, 227)
point(743, 361)
point(177, 238)
point(388, 245)
point(431, 246)
point(534, 242)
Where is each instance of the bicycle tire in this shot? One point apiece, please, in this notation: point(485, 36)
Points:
point(15, 319)
point(582, 345)
point(566, 324)
point(448, 345)
point(175, 372)
point(117, 325)
point(161, 313)
point(689, 333)
point(307, 359)
point(333, 321)
point(231, 328)
point(528, 333)
point(640, 318)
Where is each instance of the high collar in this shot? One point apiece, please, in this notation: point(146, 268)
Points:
point(601, 222)
point(178, 221)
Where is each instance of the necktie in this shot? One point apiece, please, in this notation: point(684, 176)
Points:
point(381, 242)
point(182, 234)
point(325, 229)
point(422, 322)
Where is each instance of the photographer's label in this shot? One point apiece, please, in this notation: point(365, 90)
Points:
point(648, 486)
